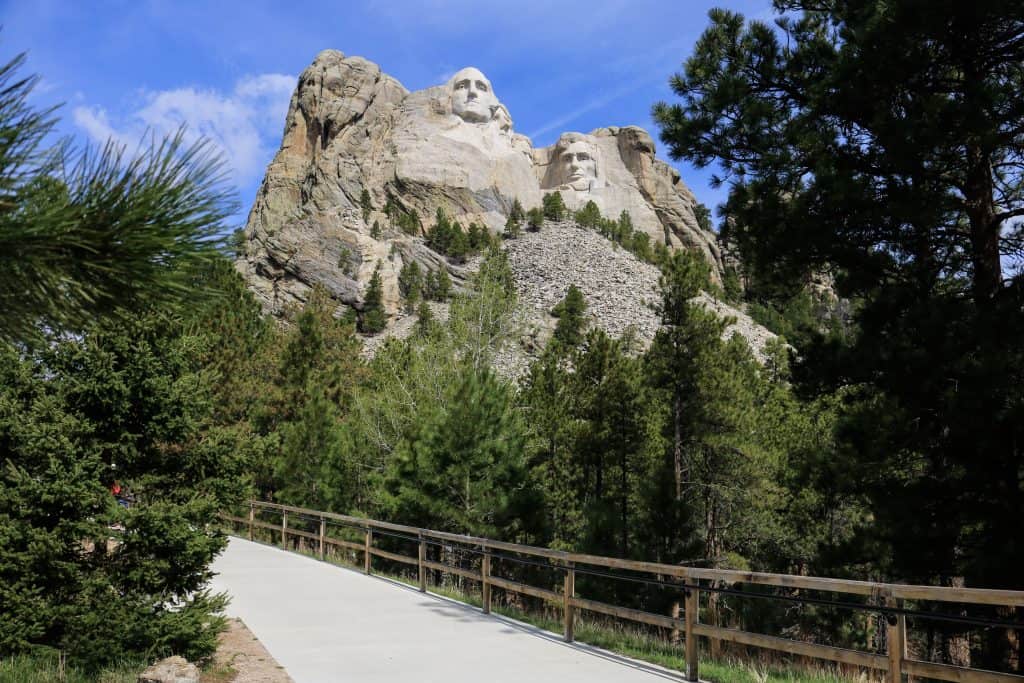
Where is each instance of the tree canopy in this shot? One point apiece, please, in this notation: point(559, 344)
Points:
point(882, 143)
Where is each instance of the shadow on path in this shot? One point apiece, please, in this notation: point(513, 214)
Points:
point(453, 609)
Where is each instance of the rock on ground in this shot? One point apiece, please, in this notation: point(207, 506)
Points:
point(171, 670)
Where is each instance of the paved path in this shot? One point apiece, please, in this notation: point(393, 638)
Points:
point(326, 624)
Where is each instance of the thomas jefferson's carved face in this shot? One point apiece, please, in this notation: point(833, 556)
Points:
point(472, 96)
point(502, 118)
point(578, 165)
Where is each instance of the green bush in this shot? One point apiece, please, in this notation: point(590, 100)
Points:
point(79, 572)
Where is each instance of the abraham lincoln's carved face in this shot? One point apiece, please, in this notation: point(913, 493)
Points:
point(579, 165)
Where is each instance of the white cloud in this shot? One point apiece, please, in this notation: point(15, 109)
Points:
point(95, 123)
point(243, 124)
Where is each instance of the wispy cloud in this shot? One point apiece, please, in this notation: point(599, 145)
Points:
point(243, 124)
point(592, 104)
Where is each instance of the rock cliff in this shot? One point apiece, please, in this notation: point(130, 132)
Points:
point(352, 129)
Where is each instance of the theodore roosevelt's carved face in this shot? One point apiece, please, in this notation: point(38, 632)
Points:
point(472, 97)
point(578, 162)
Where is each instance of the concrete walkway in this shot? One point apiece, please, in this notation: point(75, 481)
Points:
point(325, 624)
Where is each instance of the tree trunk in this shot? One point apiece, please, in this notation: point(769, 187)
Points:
point(624, 504)
point(713, 552)
point(981, 213)
point(677, 444)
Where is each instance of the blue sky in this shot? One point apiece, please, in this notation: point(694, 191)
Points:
point(227, 69)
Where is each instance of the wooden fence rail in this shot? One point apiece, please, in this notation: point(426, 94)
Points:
point(692, 582)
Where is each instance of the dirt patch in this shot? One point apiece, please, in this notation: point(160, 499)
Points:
point(241, 658)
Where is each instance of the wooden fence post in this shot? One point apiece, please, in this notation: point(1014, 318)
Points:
point(712, 616)
point(691, 616)
point(284, 529)
point(366, 551)
point(485, 581)
point(423, 570)
point(252, 517)
point(895, 641)
point(323, 529)
point(568, 593)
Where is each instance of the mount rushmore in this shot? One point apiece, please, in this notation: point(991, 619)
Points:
point(352, 129)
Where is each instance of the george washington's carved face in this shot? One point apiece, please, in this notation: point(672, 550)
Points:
point(472, 96)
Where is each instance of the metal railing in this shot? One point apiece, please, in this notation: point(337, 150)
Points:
point(691, 582)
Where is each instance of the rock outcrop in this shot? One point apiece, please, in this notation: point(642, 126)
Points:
point(352, 129)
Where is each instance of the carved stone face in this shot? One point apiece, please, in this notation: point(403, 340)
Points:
point(472, 96)
point(578, 163)
point(502, 118)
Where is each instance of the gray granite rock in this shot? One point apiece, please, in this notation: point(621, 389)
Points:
point(350, 127)
point(171, 670)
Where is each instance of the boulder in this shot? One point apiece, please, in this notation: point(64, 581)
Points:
point(171, 670)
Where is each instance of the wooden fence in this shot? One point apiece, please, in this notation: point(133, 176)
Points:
point(690, 581)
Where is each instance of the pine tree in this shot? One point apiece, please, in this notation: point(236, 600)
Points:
point(424, 319)
point(915, 202)
point(688, 332)
point(589, 216)
point(319, 367)
point(443, 288)
point(375, 231)
point(374, 319)
point(128, 404)
point(624, 230)
point(461, 468)
point(640, 245)
point(458, 245)
point(535, 219)
point(98, 234)
point(553, 206)
point(703, 216)
point(610, 442)
point(441, 233)
point(430, 286)
point(477, 238)
point(512, 228)
point(516, 213)
point(570, 312)
point(409, 222)
point(365, 204)
point(410, 284)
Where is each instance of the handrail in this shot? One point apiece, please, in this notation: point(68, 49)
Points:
point(891, 596)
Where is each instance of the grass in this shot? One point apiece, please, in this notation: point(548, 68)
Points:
point(637, 643)
point(39, 668)
point(219, 673)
